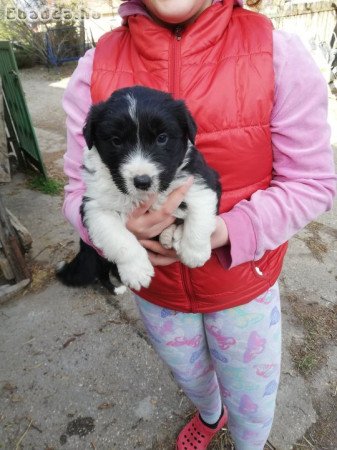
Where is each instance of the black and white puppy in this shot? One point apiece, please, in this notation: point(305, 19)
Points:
point(139, 142)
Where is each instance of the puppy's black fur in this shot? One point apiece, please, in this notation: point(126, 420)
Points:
point(86, 268)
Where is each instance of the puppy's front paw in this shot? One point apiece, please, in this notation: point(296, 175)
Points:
point(136, 273)
point(193, 255)
point(166, 237)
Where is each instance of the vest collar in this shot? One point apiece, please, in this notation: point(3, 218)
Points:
point(152, 41)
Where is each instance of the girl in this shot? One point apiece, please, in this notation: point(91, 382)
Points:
point(260, 105)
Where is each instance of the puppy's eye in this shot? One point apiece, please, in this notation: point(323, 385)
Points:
point(162, 139)
point(116, 141)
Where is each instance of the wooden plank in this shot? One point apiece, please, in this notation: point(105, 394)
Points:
point(21, 231)
point(5, 175)
point(5, 267)
point(11, 246)
point(8, 290)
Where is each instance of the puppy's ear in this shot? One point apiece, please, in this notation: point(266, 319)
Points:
point(90, 124)
point(188, 121)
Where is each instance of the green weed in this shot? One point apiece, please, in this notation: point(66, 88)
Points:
point(48, 186)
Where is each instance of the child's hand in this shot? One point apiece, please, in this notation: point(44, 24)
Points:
point(146, 224)
point(158, 255)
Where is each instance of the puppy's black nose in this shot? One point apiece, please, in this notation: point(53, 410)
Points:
point(142, 182)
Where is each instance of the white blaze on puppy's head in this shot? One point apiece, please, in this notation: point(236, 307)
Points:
point(139, 172)
point(132, 108)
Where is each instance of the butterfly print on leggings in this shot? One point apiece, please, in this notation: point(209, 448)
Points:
point(255, 346)
point(224, 342)
point(179, 341)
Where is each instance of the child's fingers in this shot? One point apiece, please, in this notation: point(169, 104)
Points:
point(144, 207)
point(171, 204)
point(156, 247)
point(158, 255)
point(160, 260)
point(146, 224)
point(177, 196)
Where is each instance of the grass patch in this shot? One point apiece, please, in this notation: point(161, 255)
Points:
point(50, 186)
point(319, 325)
point(222, 441)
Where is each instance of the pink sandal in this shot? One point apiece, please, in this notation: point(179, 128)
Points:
point(196, 435)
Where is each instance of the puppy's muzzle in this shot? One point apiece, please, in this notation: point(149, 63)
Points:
point(142, 182)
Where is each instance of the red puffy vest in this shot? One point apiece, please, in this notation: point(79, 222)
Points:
point(222, 66)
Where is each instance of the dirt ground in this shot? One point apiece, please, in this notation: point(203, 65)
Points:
point(307, 412)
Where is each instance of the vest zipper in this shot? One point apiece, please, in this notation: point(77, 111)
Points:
point(178, 32)
point(186, 279)
point(175, 90)
point(175, 66)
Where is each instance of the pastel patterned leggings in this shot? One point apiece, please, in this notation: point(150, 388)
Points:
point(230, 357)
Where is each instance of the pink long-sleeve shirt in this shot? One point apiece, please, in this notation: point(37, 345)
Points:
point(304, 181)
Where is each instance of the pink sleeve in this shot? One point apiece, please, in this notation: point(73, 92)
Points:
point(304, 181)
point(76, 103)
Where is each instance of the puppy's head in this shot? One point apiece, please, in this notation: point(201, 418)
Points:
point(142, 135)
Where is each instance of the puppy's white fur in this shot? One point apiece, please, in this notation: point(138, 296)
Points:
point(105, 215)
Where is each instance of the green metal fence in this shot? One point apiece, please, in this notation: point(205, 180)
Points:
point(17, 116)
